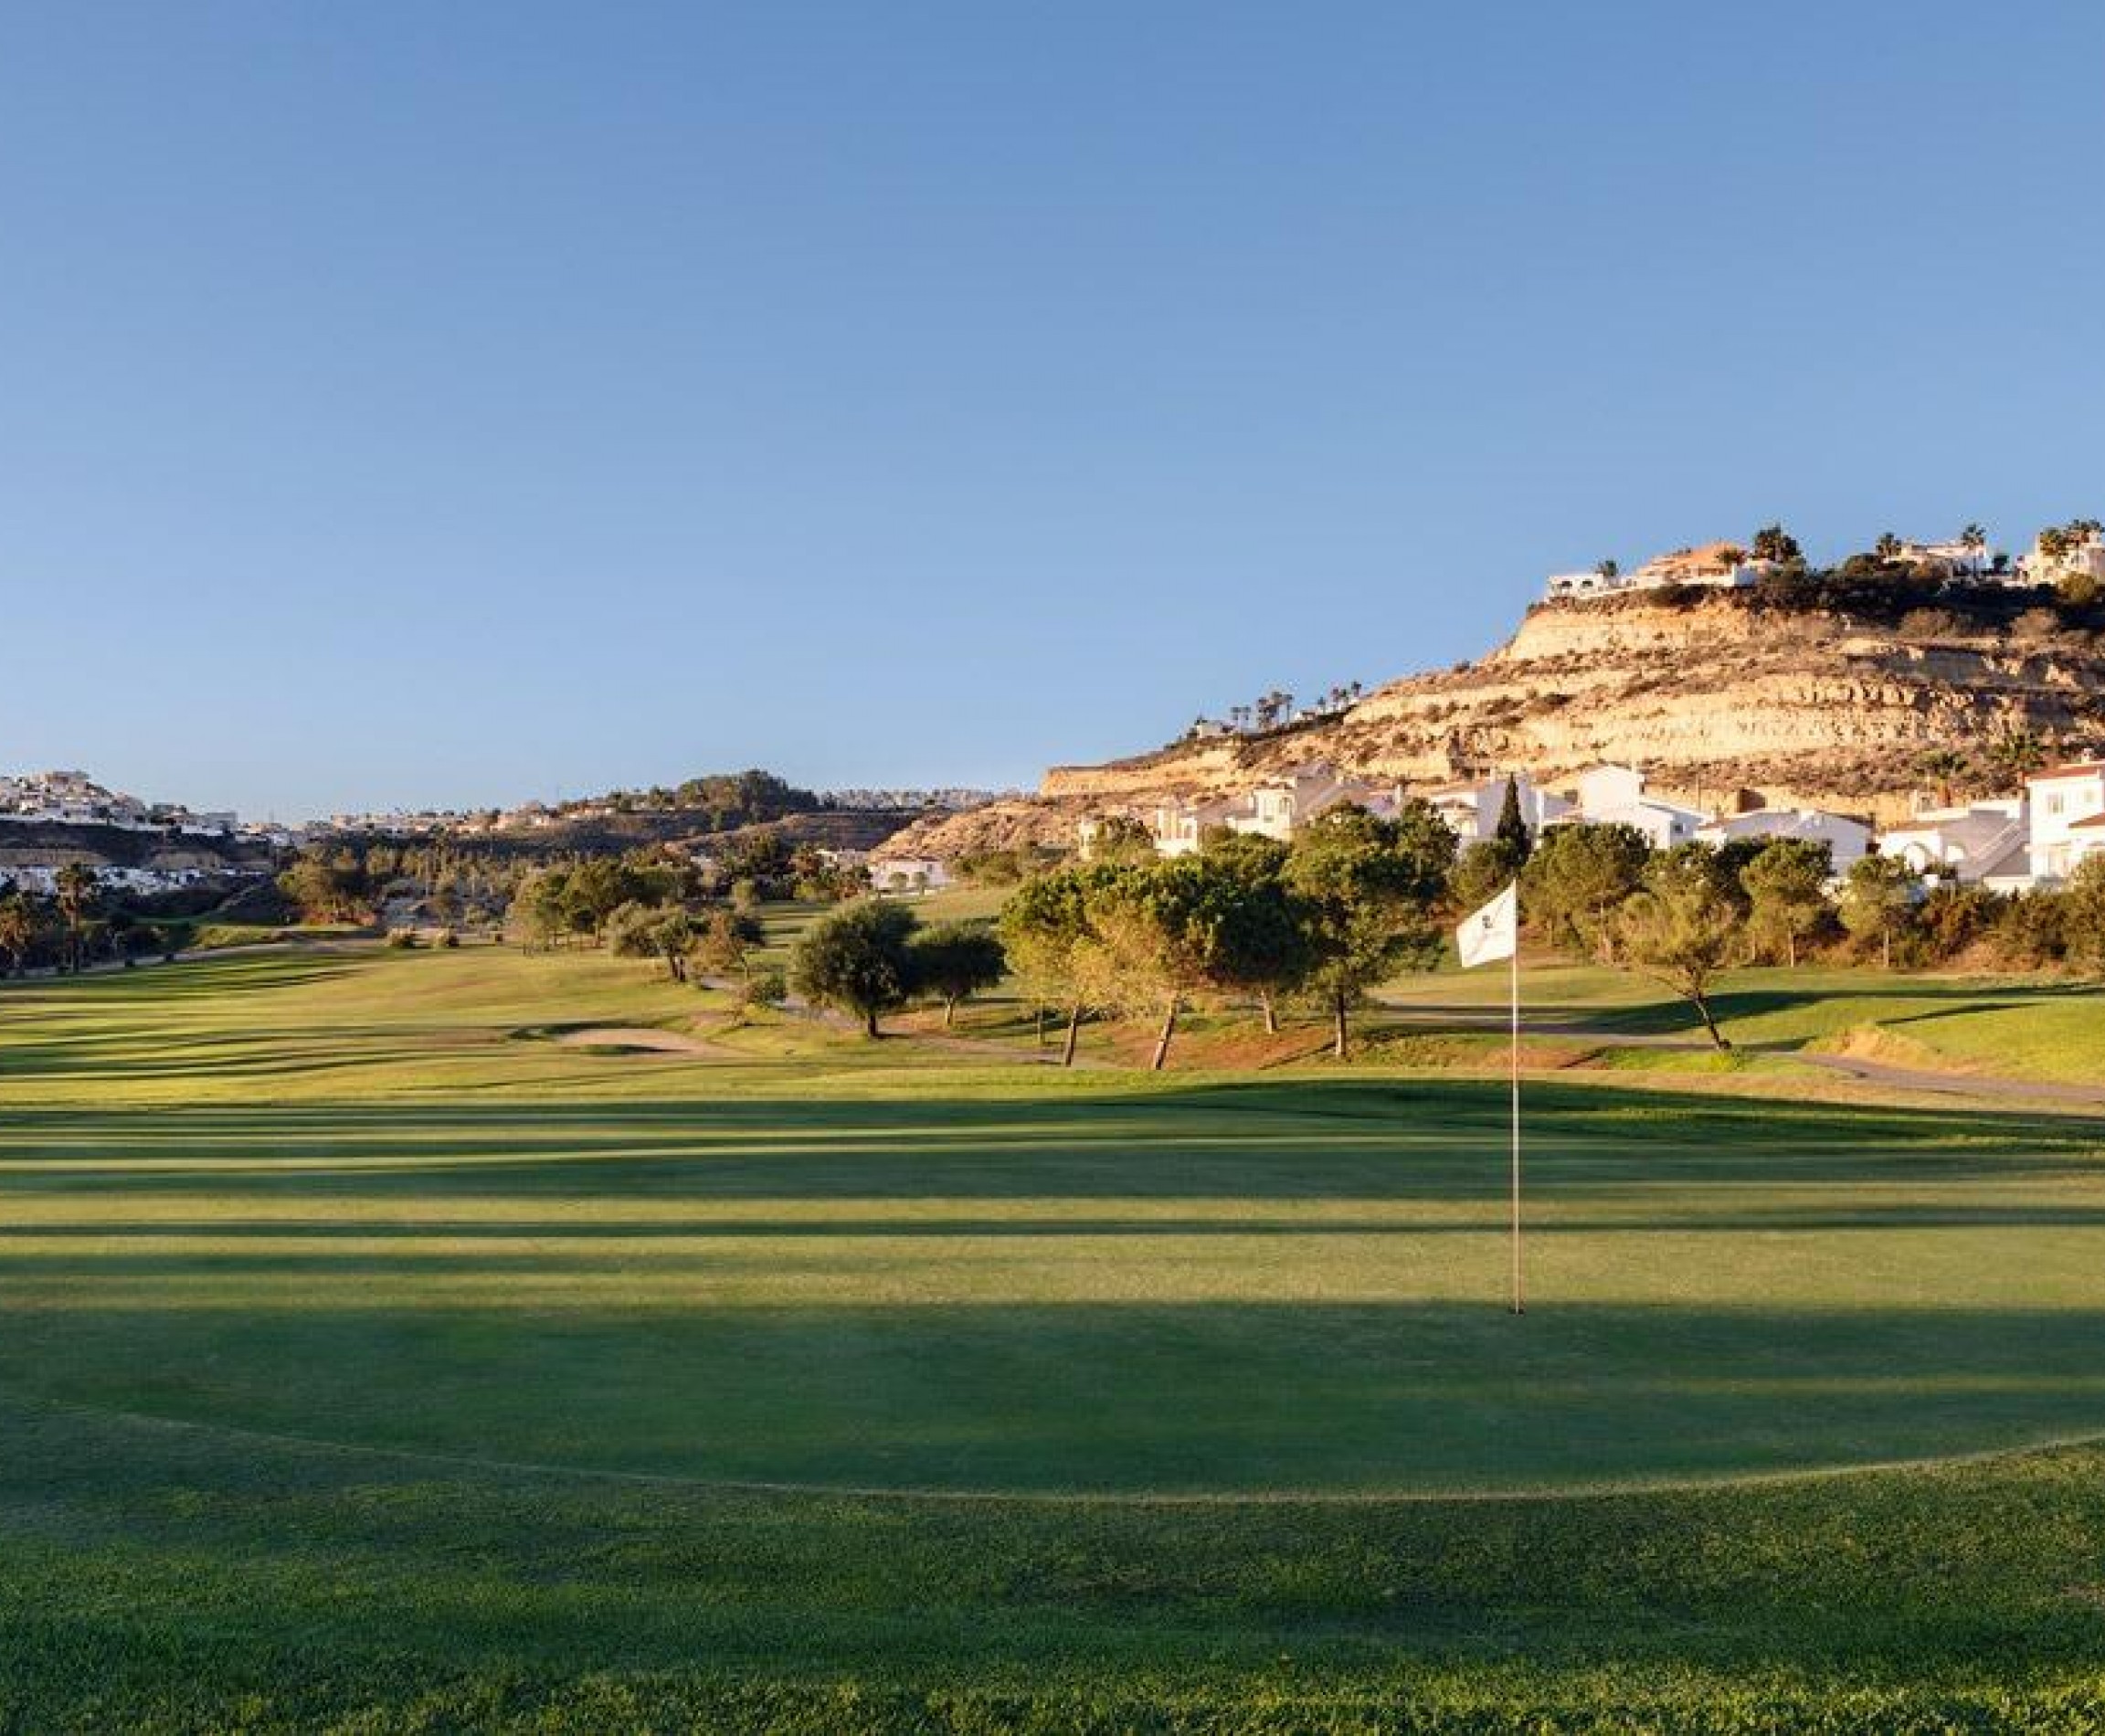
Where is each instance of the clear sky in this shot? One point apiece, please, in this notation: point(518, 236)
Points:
point(450, 403)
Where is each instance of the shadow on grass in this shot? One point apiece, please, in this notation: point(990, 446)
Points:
point(1301, 1139)
point(1093, 1395)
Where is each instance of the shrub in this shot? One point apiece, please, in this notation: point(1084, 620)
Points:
point(403, 939)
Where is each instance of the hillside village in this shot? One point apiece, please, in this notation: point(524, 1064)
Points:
point(2060, 556)
point(2007, 843)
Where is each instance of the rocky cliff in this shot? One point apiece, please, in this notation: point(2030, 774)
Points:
point(1830, 700)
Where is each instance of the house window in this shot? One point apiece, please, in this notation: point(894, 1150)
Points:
point(2054, 804)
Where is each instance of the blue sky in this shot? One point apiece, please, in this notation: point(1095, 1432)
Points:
point(413, 402)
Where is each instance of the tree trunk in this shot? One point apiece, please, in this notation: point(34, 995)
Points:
point(1709, 1025)
point(1271, 1013)
point(1041, 1025)
point(1791, 947)
point(1162, 1040)
point(1885, 948)
point(949, 1009)
point(1337, 1043)
point(870, 1023)
point(1074, 1031)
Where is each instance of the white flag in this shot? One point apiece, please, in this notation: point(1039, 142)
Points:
point(1492, 933)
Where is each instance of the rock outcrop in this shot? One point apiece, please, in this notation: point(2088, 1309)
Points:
point(1792, 700)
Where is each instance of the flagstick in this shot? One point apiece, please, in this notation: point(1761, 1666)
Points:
point(1520, 1299)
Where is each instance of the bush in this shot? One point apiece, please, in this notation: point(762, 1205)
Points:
point(768, 988)
point(447, 938)
point(403, 939)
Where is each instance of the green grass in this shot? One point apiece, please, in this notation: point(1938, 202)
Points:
point(371, 1359)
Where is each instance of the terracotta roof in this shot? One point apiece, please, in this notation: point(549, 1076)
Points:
point(2085, 825)
point(2075, 768)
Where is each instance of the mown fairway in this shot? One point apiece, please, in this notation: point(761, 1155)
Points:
point(368, 1353)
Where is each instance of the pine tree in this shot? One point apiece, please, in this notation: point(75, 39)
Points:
point(1512, 830)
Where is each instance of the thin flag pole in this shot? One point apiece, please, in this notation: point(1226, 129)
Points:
point(1513, 960)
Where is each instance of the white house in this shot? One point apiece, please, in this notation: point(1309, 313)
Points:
point(1848, 840)
point(2067, 820)
point(1278, 807)
point(1720, 566)
point(1614, 795)
point(1472, 811)
point(908, 874)
point(1959, 558)
point(2083, 558)
point(1979, 842)
point(1180, 827)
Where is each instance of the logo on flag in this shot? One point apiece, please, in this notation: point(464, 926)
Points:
point(1492, 933)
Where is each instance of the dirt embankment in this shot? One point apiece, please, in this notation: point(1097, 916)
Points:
point(1719, 697)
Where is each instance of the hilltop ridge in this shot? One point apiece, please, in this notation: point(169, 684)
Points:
point(1826, 698)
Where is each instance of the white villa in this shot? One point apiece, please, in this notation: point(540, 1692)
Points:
point(1957, 559)
point(1277, 808)
point(908, 874)
point(1848, 839)
point(1983, 841)
point(1720, 566)
point(2085, 559)
point(1614, 795)
point(1471, 811)
point(2067, 818)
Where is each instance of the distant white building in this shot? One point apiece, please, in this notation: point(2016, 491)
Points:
point(2067, 818)
point(1978, 842)
point(1848, 839)
point(1472, 811)
point(1180, 827)
point(1717, 565)
point(1615, 796)
point(2083, 558)
point(908, 874)
point(1279, 807)
point(1959, 558)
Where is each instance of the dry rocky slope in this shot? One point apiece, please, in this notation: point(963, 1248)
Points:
point(1713, 694)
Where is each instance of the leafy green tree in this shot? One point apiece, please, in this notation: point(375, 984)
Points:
point(1878, 896)
point(1369, 891)
point(2016, 754)
point(1786, 888)
point(1681, 928)
point(1257, 944)
point(1483, 871)
point(1148, 940)
point(857, 958)
point(1121, 838)
point(2082, 913)
point(1044, 930)
point(1575, 881)
point(637, 930)
point(724, 940)
point(953, 960)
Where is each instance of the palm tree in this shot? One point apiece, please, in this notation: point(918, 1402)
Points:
point(1973, 537)
point(17, 929)
point(1887, 546)
point(1943, 767)
point(1608, 569)
point(75, 886)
